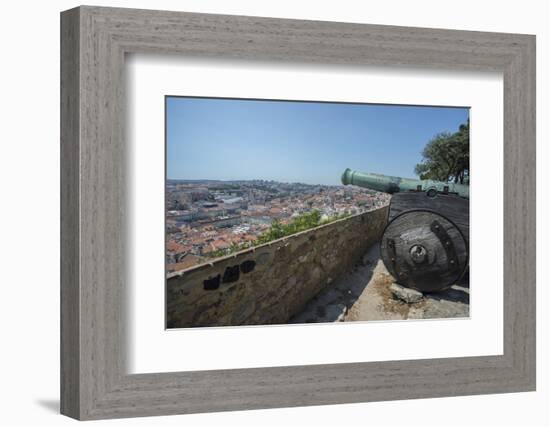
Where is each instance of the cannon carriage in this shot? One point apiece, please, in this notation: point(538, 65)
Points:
point(425, 245)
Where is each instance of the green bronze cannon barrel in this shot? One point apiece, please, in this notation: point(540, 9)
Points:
point(393, 184)
point(425, 244)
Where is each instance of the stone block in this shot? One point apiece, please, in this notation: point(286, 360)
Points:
point(408, 295)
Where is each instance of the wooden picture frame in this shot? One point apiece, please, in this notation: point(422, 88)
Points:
point(94, 382)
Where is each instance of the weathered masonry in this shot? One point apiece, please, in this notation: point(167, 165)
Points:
point(269, 284)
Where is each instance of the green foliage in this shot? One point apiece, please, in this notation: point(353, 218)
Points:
point(300, 223)
point(446, 157)
point(235, 247)
point(334, 218)
point(216, 254)
point(278, 230)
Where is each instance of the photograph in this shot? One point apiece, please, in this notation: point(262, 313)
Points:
point(297, 212)
point(264, 213)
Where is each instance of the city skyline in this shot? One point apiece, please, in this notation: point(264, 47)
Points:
point(207, 219)
point(296, 141)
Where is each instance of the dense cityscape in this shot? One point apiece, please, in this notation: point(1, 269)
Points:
point(208, 219)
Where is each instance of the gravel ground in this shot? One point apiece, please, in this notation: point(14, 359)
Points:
point(364, 294)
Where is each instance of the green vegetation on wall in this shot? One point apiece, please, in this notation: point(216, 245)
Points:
point(278, 230)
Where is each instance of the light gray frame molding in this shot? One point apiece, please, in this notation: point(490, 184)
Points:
point(94, 41)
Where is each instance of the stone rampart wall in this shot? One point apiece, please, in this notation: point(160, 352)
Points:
point(269, 284)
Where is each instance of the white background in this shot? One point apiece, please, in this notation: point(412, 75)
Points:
point(152, 349)
point(29, 180)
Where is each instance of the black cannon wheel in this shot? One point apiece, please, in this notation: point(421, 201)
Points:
point(424, 250)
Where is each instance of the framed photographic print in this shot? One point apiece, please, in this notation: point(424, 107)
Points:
point(279, 241)
point(286, 189)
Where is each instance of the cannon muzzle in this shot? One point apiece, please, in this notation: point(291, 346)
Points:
point(394, 184)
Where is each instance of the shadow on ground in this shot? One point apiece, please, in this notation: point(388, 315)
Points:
point(364, 294)
point(332, 304)
point(51, 405)
point(457, 293)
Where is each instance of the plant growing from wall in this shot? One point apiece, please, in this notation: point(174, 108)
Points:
point(278, 230)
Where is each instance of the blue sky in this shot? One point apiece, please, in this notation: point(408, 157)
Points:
point(289, 141)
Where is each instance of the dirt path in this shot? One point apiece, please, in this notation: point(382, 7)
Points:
point(364, 294)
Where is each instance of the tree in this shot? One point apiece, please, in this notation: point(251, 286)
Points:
point(446, 157)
